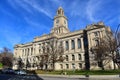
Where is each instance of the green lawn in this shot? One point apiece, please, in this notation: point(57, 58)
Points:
point(80, 72)
point(1, 65)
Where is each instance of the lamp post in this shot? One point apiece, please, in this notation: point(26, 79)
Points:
point(116, 32)
point(118, 43)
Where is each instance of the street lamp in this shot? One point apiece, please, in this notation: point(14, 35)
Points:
point(116, 32)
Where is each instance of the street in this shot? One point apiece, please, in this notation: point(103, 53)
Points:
point(19, 77)
point(5, 77)
point(35, 77)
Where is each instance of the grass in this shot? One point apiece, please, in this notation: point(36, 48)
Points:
point(80, 72)
point(1, 65)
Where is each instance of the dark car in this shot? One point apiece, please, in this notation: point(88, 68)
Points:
point(8, 71)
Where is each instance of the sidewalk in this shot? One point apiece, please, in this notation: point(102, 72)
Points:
point(62, 76)
point(82, 76)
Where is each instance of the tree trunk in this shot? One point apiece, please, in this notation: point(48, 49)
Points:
point(114, 64)
point(53, 66)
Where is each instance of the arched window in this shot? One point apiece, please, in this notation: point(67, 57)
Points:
point(67, 45)
point(96, 42)
point(58, 12)
point(72, 44)
point(79, 43)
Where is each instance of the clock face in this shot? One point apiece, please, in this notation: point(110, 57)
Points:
point(57, 21)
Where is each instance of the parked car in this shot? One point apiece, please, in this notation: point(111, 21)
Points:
point(20, 72)
point(8, 71)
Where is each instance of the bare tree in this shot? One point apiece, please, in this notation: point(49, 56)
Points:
point(42, 60)
point(101, 54)
point(6, 57)
point(55, 52)
point(106, 50)
point(52, 53)
point(20, 63)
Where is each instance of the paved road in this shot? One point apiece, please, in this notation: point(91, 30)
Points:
point(33, 77)
point(44, 77)
point(19, 77)
point(5, 77)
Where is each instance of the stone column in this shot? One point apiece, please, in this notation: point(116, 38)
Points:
point(30, 51)
point(69, 43)
point(76, 44)
point(64, 45)
point(34, 51)
point(89, 40)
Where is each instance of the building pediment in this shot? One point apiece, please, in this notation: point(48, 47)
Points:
point(94, 26)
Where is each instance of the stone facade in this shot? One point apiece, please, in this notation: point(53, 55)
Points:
point(74, 44)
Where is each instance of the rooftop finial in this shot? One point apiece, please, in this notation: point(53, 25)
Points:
point(60, 11)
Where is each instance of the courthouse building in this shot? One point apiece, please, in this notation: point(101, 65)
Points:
point(76, 44)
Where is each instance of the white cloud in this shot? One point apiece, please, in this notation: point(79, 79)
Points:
point(35, 25)
point(29, 6)
point(17, 4)
point(92, 7)
point(38, 8)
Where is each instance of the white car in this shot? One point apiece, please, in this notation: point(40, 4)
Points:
point(20, 72)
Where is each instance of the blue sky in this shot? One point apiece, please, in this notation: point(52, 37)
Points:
point(22, 20)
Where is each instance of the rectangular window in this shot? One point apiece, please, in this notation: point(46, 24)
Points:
point(79, 43)
point(39, 51)
point(79, 56)
point(23, 52)
point(67, 66)
point(67, 45)
point(73, 66)
point(66, 57)
point(73, 57)
point(72, 44)
point(61, 42)
point(61, 66)
point(96, 33)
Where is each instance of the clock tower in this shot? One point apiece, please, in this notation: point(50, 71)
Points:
point(60, 24)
